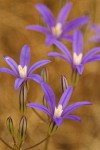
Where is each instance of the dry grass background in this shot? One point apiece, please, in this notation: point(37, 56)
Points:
point(15, 15)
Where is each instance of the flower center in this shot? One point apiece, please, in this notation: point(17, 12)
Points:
point(22, 71)
point(77, 59)
point(58, 111)
point(57, 30)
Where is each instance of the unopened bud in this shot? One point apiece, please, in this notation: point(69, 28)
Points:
point(52, 128)
point(44, 74)
point(64, 83)
point(10, 126)
point(22, 128)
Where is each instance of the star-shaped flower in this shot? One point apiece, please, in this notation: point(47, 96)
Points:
point(61, 111)
point(57, 29)
point(23, 71)
point(96, 37)
point(77, 59)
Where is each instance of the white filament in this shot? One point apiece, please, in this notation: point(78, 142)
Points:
point(58, 111)
point(77, 59)
point(57, 30)
point(22, 71)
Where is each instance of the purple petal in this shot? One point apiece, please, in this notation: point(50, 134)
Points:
point(73, 107)
point(38, 28)
point(58, 121)
point(55, 54)
point(68, 37)
point(12, 64)
point(77, 42)
point(66, 96)
point(90, 54)
point(25, 56)
point(76, 23)
point(36, 78)
point(38, 65)
point(46, 14)
point(18, 82)
point(73, 117)
point(8, 71)
point(94, 58)
point(95, 38)
point(40, 107)
point(49, 95)
point(64, 50)
point(49, 40)
point(80, 68)
point(96, 28)
point(64, 13)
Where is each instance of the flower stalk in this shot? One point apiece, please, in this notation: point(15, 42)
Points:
point(52, 128)
point(23, 97)
point(75, 78)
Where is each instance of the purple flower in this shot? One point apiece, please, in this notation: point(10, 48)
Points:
point(60, 112)
point(96, 29)
point(22, 71)
point(77, 60)
point(57, 29)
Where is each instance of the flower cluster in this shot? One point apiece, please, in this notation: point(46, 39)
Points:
point(55, 31)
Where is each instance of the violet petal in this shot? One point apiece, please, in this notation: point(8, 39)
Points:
point(25, 56)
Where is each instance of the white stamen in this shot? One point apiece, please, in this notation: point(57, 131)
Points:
point(57, 30)
point(22, 71)
point(58, 111)
point(77, 59)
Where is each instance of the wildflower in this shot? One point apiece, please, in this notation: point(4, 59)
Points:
point(22, 71)
point(96, 29)
point(60, 112)
point(77, 60)
point(57, 29)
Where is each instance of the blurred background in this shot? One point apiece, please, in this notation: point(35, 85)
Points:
point(15, 15)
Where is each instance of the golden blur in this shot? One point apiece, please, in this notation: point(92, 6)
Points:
point(15, 15)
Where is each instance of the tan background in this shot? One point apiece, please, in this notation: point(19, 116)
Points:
point(15, 15)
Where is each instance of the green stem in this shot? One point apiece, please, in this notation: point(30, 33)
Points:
point(46, 144)
point(20, 145)
point(6, 144)
point(14, 142)
point(37, 143)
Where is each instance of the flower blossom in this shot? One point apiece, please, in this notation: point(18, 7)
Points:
point(96, 37)
point(61, 111)
point(22, 71)
point(77, 60)
point(57, 29)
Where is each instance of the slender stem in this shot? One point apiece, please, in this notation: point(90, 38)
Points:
point(46, 144)
point(44, 120)
point(38, 143)
point(14, 142)
point(6, 144)
point(20, 145)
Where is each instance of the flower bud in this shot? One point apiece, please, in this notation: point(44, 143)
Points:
point(44, 74)
point(22, 128)
point(52, 128)
point(64, 83)
point(10, 126)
